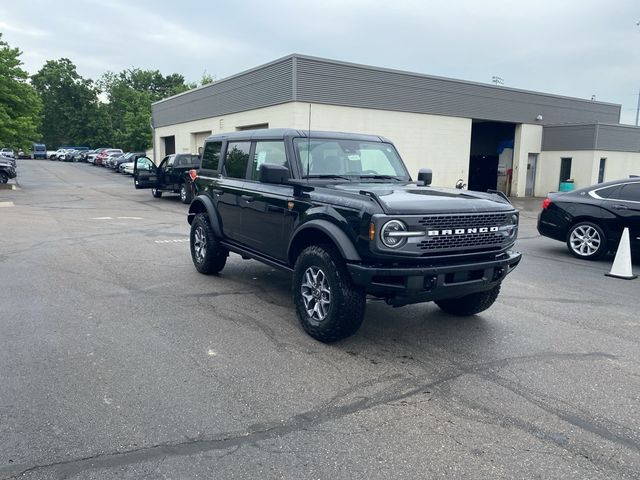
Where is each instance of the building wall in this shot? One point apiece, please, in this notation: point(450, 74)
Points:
point(424, 141)
point(585, 166)
point(528, 139)
point(190, 135)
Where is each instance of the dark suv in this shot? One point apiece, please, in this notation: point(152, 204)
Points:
point(341, 213)
point(172, 175)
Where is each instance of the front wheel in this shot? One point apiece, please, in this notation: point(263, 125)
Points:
point(185, 193)
point(4, 178)
point(469, 304)
point(206, 252)
point(328, 305)
point(156, 193)
point(586, 240)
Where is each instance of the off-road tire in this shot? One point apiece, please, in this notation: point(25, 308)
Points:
point(4, 178)
point(215, 255)
point(185, 193)
point(598, 233)
point(347, 303)
point(469, 304)
point(156, 193)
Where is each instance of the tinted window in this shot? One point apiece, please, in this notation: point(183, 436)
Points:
point(268, 152)
point(170, 161)
point(235, 163)
point(144, 163)
point(629, 192)
point(211, 155)
point(607, 192)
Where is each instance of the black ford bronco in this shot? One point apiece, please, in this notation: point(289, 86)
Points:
point(172, 175)
point(341, 213)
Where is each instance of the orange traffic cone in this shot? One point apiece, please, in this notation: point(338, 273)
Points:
point(622, 263)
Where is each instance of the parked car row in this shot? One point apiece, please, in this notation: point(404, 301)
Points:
point(7, 168)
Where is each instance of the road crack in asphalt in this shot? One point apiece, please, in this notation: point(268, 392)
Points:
point(400, 390)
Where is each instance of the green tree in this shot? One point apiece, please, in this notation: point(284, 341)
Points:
point(130, 94)
point(19, 103)
point(70, 104)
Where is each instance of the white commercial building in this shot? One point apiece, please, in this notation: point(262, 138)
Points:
point(521, 142)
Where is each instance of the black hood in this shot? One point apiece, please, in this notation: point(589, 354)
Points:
point(410, 199)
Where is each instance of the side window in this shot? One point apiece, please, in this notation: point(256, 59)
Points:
point(268, 152)
point(629, 192)
point(144, 164)
point(608, 191)
point(235, 163)
point(211, 156)
point(170, 161)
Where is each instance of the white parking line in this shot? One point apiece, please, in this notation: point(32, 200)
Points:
point(7, 204)
point(177, 240)
point(117, 218)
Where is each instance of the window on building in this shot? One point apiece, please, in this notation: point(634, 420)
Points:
point(235, 163)
point(565, 169)
point(211, 156)
point(603, 162)
point(267, 152)
point(256, 126)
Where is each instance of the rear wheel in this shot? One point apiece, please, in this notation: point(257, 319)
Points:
point(328, 305)
point(587, 240)
point(470, 304)
point(206, 252)
point(156, 193)
point(4, 178)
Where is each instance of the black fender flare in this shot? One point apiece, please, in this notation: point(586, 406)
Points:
point(342, 242)
point(203, 203)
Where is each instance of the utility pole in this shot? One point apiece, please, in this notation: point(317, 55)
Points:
point(638, 108)
point(497, 80)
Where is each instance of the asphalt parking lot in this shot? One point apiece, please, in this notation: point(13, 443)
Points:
point(118, 360)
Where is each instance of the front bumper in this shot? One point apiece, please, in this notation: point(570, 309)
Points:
point(405, 285)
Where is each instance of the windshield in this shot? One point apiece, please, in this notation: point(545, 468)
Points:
point(352, 159)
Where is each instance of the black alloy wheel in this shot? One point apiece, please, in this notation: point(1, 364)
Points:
point(208, 255)
point(328, 304)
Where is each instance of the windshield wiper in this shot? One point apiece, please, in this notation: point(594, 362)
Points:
point(382, 177)
point(328, 175)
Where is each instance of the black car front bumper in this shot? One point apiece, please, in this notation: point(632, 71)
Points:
point(406, 285)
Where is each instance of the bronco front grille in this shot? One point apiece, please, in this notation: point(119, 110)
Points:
point(474, 240)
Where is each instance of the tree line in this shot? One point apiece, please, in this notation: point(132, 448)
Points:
point(57, 106)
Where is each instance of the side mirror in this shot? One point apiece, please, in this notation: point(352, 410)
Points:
point(271, 173)
point(424, 176)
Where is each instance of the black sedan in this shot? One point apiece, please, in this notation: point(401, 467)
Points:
point(591, 220)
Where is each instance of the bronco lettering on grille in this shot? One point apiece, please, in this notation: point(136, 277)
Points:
point(461, 231)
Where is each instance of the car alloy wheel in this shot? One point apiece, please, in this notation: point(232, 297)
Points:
point(200, 244)
point(316, 293)
point(585, 240)
point(183, 194)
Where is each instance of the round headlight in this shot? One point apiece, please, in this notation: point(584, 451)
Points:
point(389, 233)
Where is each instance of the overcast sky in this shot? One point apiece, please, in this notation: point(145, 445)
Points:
point(574, 47)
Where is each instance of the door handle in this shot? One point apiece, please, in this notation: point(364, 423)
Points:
point(617, 206)
point(247, 198)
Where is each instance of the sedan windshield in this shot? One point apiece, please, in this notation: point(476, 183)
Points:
point(351, 159)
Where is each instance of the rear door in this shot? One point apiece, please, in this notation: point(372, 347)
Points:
point(230, 190)
point(145, 173)
point(625, 202)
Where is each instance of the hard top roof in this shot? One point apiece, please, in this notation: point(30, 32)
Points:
point(282, 133)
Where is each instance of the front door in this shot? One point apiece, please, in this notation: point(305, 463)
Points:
point(625, 203)
point(145, 173)
point(530, 186)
